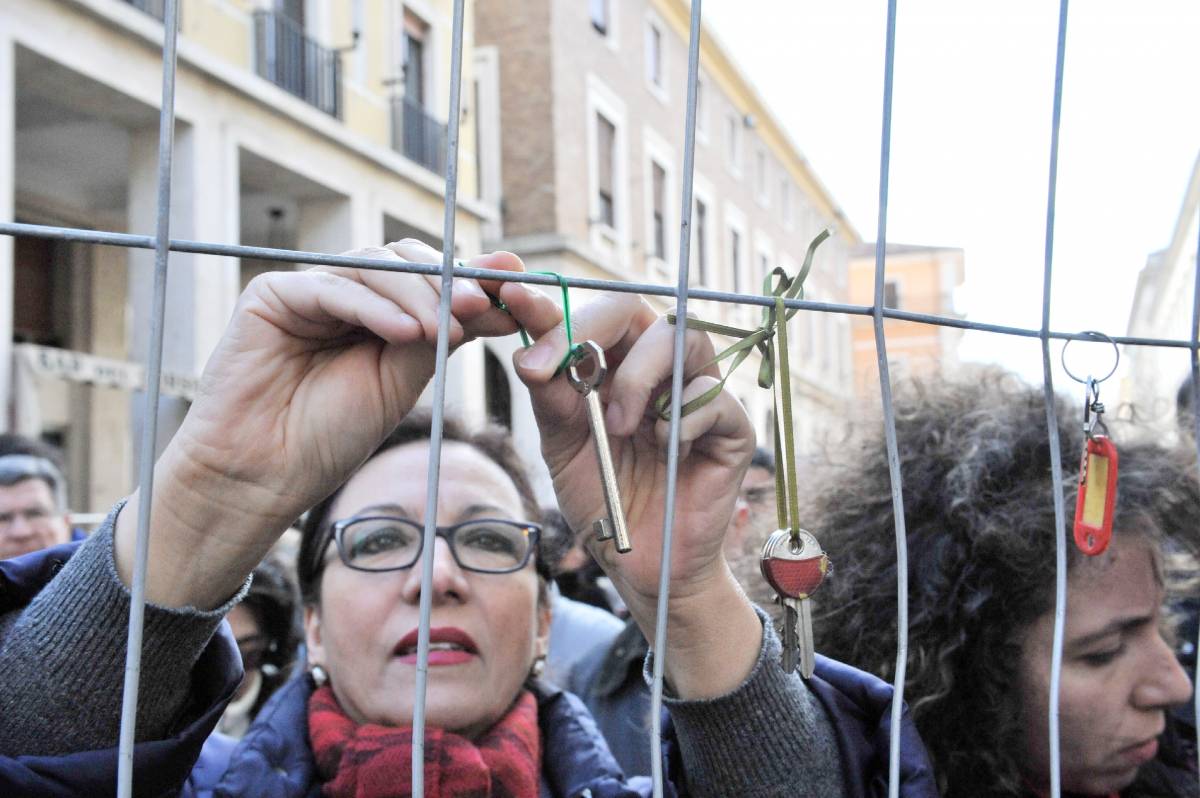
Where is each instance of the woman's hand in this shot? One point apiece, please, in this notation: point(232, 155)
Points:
point(708, 615)
point(314, 369)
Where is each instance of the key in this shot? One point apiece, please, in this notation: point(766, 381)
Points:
point(614, 525)
point(795, 565)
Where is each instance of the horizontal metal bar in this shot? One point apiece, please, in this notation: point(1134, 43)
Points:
point(130, 240)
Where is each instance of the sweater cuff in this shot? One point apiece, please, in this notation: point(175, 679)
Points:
point(769, 736)
point(83, 615)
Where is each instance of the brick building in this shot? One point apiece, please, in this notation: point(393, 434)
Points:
point(588, 103)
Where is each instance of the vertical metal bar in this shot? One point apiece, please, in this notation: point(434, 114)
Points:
point(889, 415)
point(1195, 353)
point(137, 605)
point(685, 246)
point(1060, 539)
point(439, 401)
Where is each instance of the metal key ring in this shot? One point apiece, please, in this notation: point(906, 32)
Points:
point(1095, 336)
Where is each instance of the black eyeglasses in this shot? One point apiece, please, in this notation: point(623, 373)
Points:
point(387, 543)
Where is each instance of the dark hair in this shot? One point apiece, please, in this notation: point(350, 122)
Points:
point(979, 515)
point(14, 443)
point(493, 441)
point(763, 458)
point(275, 604)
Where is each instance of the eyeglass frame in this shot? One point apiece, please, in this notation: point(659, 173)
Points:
point(338, 528)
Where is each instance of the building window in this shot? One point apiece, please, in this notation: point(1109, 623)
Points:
point(701, 123)
point(735, 259)
point(600, 15)
point(891, 294)
point(733, 142)
point(700, 226)
point(416, 33)
point(658, 189)
point(764, 265)
point(785, 202)
point(606, 142)
point(654, 56)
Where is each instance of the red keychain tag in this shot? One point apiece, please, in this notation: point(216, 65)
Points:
point(1097, 495)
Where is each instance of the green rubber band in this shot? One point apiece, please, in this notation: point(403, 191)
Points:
point(572, 348)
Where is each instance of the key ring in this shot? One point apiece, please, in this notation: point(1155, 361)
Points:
point(1093, 408)
point(1095, 336)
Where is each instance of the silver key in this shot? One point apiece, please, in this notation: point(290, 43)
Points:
point(614, 525)
point(794, 565)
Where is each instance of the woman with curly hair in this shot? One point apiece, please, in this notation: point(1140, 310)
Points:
point(979, 512)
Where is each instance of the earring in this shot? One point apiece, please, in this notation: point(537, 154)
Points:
point(538, 667)
point(319, 676)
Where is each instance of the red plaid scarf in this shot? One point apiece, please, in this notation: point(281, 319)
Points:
point(373, 761)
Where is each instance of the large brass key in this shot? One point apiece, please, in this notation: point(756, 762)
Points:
point(614, 525)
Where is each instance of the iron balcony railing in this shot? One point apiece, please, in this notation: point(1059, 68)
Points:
point(296, 63)
point(418, 136)
point(152, 7)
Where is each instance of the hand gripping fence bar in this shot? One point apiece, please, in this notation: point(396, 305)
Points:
point(163, 245)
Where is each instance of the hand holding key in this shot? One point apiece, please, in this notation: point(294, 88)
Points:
point(713, 634)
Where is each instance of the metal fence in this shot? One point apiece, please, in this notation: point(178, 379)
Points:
point(293, 62)
point(418, 136)
point(284, 55)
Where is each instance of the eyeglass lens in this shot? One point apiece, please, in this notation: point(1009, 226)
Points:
point(378, 544)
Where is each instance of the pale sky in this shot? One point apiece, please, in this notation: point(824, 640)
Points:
point(971, 138)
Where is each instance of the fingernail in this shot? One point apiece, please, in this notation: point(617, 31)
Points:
point(468, 287)
point(537, 357)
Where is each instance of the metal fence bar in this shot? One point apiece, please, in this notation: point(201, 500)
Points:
point(1060, 540)
point(137, 602)
point(889, 414)
point(685, 246)
point(1195, 355)
point(587, 283)
point(439, 402)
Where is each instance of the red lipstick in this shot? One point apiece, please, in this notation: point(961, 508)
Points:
point(448, 645)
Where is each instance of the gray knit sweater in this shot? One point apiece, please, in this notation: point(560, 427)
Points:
point(62, 664)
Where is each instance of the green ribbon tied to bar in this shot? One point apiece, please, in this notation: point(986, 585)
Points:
point(782, 287)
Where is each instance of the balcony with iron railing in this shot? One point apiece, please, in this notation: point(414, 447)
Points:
point(418, 136)
point(284, 55)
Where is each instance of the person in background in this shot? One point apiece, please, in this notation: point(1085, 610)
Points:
point(266, 626)
point(609, 677)
point(576, 627)
point(33, 497)
point(980, 526)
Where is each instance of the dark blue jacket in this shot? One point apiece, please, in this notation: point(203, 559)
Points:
point(274, 759)
point(160, 766)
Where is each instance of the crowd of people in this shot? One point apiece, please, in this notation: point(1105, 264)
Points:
point(272, 670)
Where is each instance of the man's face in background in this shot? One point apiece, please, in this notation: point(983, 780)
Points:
point(30, 518)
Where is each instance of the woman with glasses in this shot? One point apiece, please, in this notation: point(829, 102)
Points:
point(302, 406)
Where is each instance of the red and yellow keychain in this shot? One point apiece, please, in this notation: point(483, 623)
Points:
point(1097, 480)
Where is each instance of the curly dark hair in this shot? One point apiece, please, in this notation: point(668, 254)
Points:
point(494, 442)
point(979, 513)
